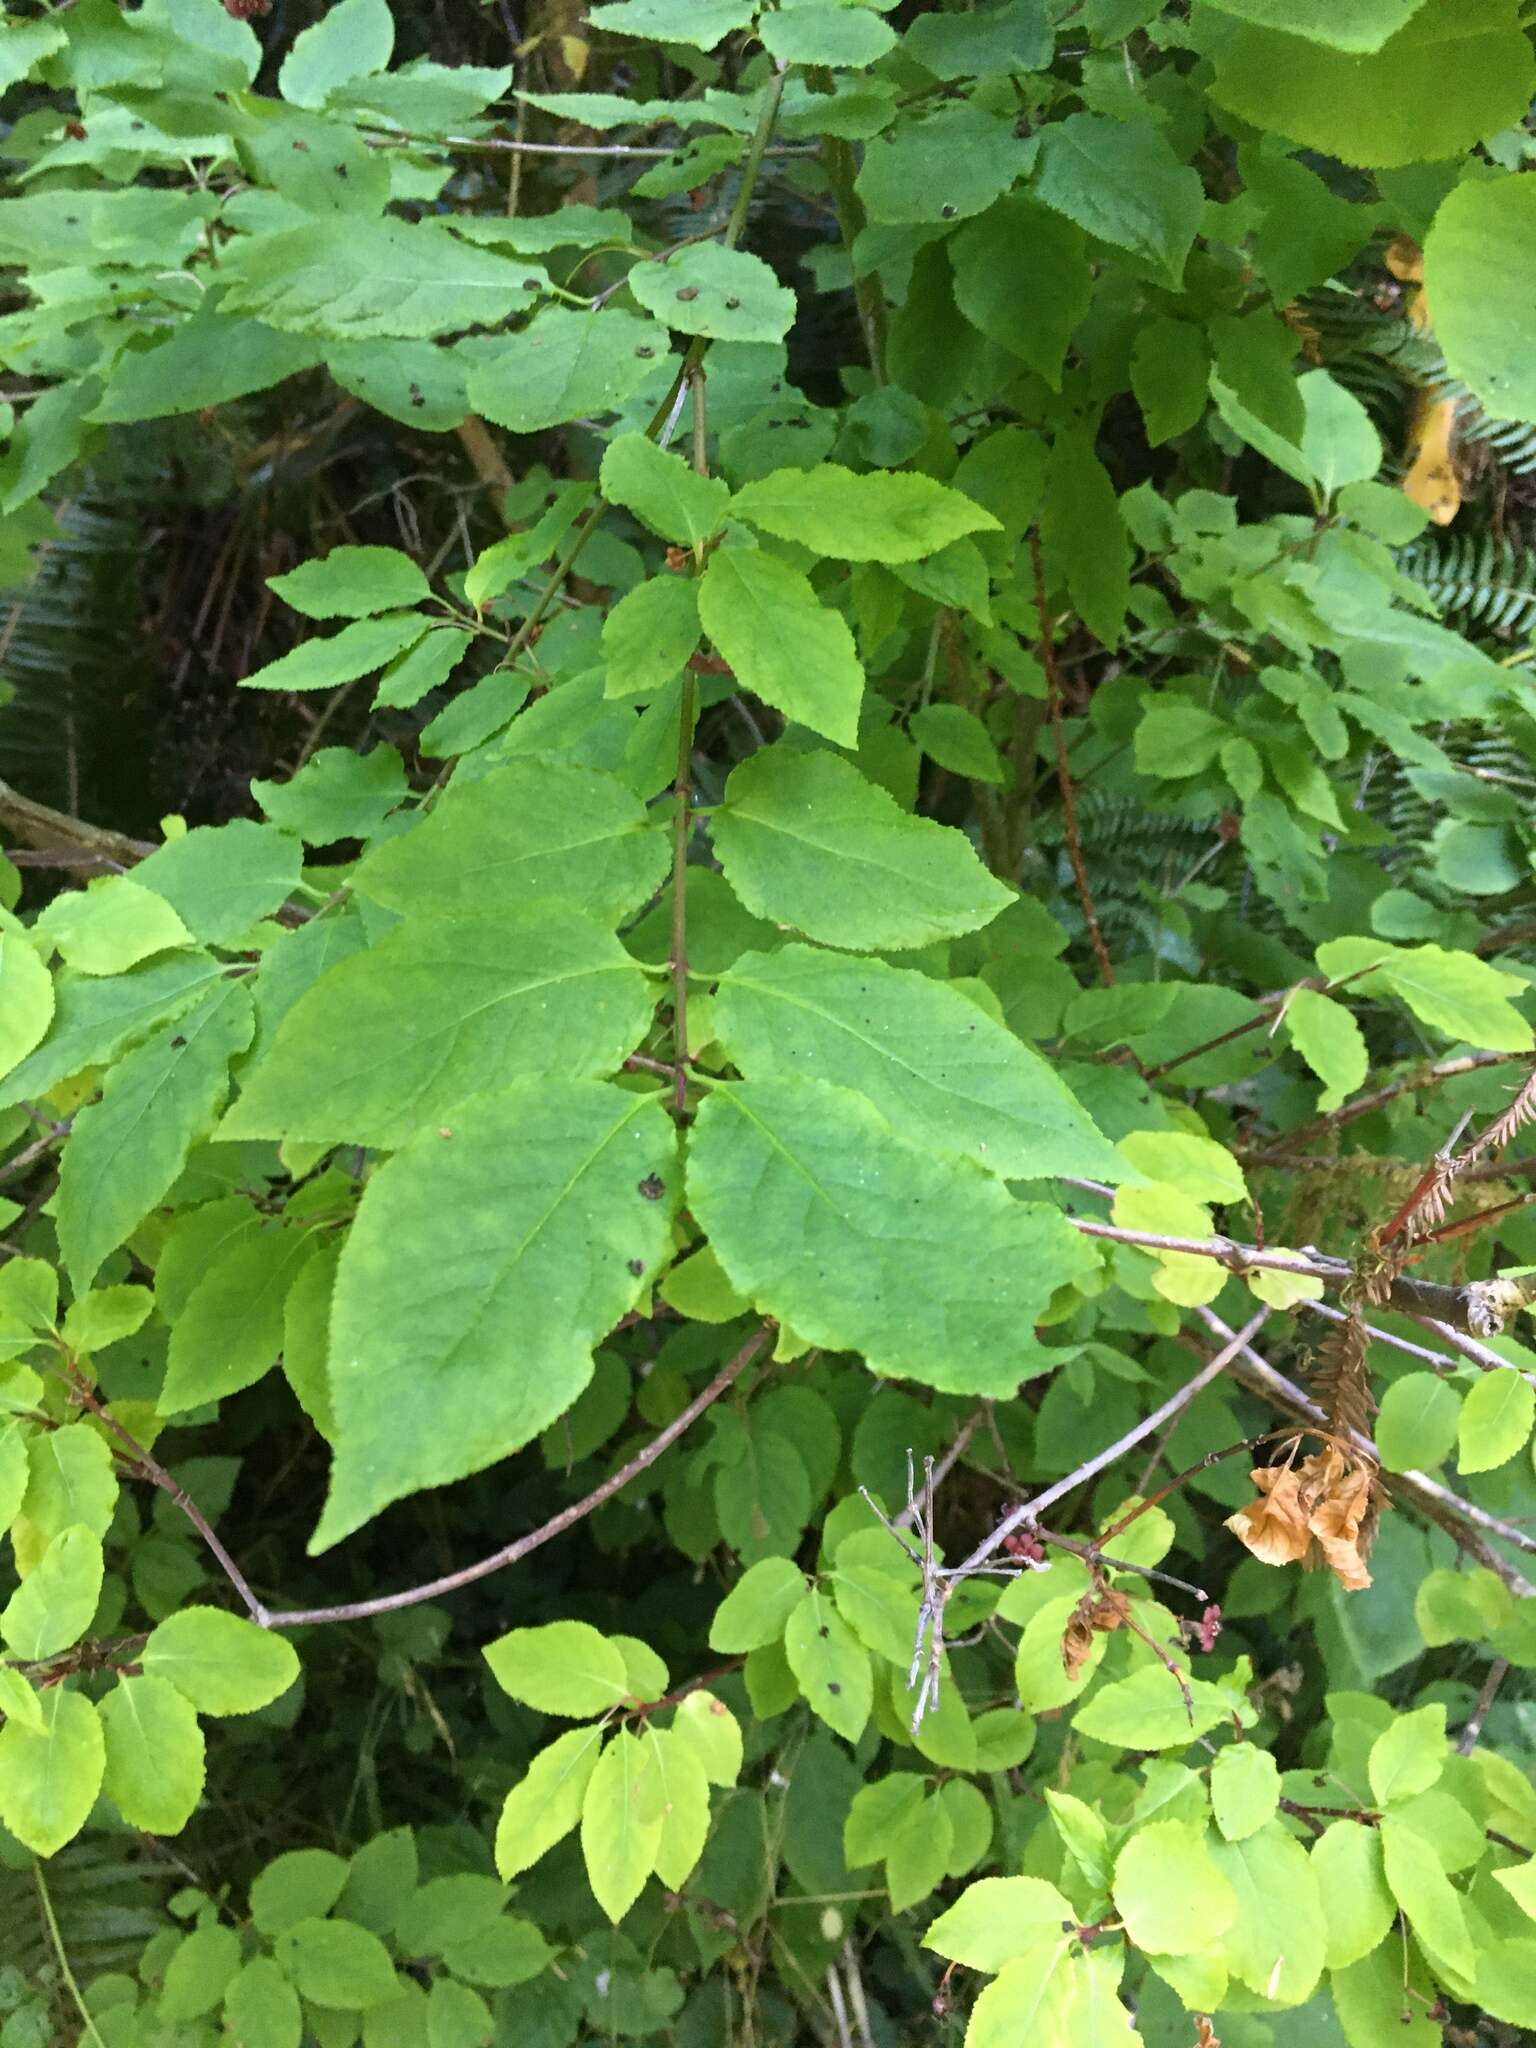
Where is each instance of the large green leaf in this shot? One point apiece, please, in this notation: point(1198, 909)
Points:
point(26, 999)
point(622, 1817)
point(220, 1662)
point(346, 279)
point(1277, 1940)
point(1453, 993)
point(827, 1220)
point(1480, 248)
point(702, 288)
point(942, 1072)
point(563, 365)
point(947, 166)
point(884, 517)
point(1056, 1995)
point(482, 1268)
point(205, 361)
point(390, 1040)
point(804, 840)
point(546, 1804)
point(783, 644)
point(531, 829)
point(1121, 181)
point(660, 488)
point(1391, 106)
point(53, 1605)
point(231, 1330)
point(49, 1778)
point(351, 39)
point(154, 1754)
point(1343, 24)
point(95, 1018)
point(125, 1151)
point(1022, 276)
point(1168, 1891)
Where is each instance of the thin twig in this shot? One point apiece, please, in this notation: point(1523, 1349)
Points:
point(515, 1552)
point(1498, 1671)
point(948, 1462)
point(1063, 767)
point(1362, 1105)
point(504, 145)
point(1029, 1511)
point(156, 1474)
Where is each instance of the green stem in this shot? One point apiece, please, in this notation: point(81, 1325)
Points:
point(868, 293)
point(51, 1919)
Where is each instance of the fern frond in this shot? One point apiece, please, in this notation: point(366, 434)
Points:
point(1478, 578)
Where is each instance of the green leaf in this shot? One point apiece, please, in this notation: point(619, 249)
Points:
point(1147, 1711)
point(25, 43)
point(919, 1855)
point(942, 1073)
point(1006, 36)
point(262, 2007)
point(662, 490)
point(70, 1480)
point(1338, 442)
point(154, 1754)
point(1426, 1895)
point(880, 1609)
point(565, 1667)
point(947, 165)
point(876, 1815)
point(1170, 375)
point(826, 35)
point(304, 1884)
point(1409, 1757)
point(1022, 275)
point(1276, 1942)
point(886, 516)
point(221, 878)
point(231, 1330)
point(1417, 1424)
point(13, 1473)
point(957, 740)
point(707, 1726)
point(336, 795)
point(1245, 1789)
point(1084, 536)
point(53, 1605)
point(1056, 1996)
point(125, 1151)
point(1347, 1864)
point(563, 366)
point(783, 644)
point(329, 660)
point(1482, 240)
point(1389, 106)
point(26, 999)
point(415, 382)
point(805, 841)
point(446, 1909)
point(828, 1221)
point(388, 1042)
point(998, 1920)
point(1495, 1421)
point(1454, 993)
point(1344, 24)
point(649, 635)
point(531, 829)
point(109, 927)
point(1330, 1041)
point(549, 1191)
point(830, 1665)
point(1168, 1891)
point(421, 668)
point(207, 360)
point(545, 1804)
point(49, 1778)
point(758, 1606)
point(351, 39)
point(346, 279)
point(622, 1819)
point(199, 1972)
point(1121, 182)
point(685, 1800)
point(507, 1952)
point(352, 583)
point(337, 1963)
point(701, 23)
point(222, 1663)
point(704, 288)
point(456, 2016)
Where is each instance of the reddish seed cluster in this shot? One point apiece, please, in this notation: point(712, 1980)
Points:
point(1025, 1546)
